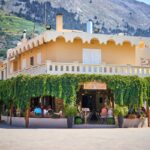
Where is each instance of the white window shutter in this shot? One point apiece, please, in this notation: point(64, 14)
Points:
point(39, 58)
point(23, 63)
point(92, 56)
point(86, 56)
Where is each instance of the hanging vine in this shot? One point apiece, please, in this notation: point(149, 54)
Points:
point(127, 90)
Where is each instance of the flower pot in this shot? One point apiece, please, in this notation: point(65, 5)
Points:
point(70, 122)
point(120, 121)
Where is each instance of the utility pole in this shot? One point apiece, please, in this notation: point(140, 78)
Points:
point(33, 27)
point(45, 15)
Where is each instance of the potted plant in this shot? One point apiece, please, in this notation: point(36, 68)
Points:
point(70, 111)
point(120, 112)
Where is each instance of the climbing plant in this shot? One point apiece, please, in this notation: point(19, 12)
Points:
point(127, 90)
point(147, 79)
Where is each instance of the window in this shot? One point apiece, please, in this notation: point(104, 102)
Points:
point(91, 56)
point(23, 63)
point(39, 58)
point(31, 61)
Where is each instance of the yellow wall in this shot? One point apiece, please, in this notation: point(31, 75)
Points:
point(70, 52)
point(60, 51)
point(142, 53)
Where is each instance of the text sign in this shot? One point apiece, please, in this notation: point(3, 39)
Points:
point(94, 86)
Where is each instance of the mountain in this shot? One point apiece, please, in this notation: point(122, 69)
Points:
point(109, 16)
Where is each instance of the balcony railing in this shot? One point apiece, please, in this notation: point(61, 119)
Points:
point(35, 70)
point(78, 68)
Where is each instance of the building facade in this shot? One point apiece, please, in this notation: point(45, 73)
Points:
point(65, 51)
point(76, 52)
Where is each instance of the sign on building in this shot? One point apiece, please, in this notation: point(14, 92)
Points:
point(94, 86)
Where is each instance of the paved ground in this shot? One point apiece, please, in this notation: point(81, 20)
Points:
point(74, 139)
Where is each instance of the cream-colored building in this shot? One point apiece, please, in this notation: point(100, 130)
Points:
point(66, 51)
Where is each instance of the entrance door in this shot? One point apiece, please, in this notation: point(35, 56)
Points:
point(89, 101)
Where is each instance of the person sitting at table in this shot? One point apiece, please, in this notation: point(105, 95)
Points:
point(38, 111)
point(50, 110)
point(45, 111)
point(103, 114)
point(110, 113)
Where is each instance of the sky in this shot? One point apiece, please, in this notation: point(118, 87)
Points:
point(146, 1)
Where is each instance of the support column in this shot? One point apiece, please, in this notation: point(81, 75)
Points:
point(11, 113)
point(1, 111)
point(0, 115)
point(148, 115)
point(27, 115)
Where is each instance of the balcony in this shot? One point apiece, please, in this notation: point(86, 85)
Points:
point(35, 70)
point(78, 68)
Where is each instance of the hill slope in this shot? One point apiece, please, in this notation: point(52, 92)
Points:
point(11, 29)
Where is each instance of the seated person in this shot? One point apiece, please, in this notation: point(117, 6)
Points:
point(38, 111)
point(103, 114)
point(60, 114)
point(50, 110)
point(45, 111)
point(110, 113)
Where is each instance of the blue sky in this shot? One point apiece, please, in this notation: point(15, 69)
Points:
point(146, 1)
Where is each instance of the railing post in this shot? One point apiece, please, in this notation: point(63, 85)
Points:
point(113, 70)
point(142, 72)
point(128, 70)
point(133, 70)
point(48, 63)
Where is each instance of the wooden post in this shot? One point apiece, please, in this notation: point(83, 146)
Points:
point(0, 112)
point(148, 114)
point(27, 116)
point(11, 113)
point(0, 116)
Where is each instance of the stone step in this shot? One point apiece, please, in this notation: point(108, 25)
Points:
point(94, 126)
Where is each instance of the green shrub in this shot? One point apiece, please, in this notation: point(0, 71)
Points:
point(70, 111)
point(78, 120)
point(110, 121)
point(121, 110)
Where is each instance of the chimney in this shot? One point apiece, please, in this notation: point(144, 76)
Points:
point(59, 22)
point(89, 27)
point(24, 35)
point(24, 39)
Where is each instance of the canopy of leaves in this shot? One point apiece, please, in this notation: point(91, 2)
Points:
point(127, 90)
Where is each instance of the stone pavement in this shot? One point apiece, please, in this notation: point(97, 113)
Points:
point(74, 139)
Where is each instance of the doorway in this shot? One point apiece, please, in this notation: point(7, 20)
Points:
point(92, 101)
point(89, 101)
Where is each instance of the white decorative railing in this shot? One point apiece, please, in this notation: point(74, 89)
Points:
point(78, 68)
point(35, 70)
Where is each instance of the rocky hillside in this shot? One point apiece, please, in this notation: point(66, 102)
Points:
point(109, 16)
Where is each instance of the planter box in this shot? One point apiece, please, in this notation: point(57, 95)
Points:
point(135, 123)
point(37, 122)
